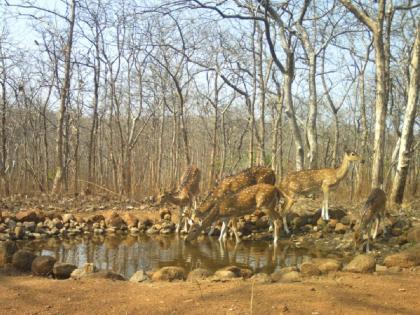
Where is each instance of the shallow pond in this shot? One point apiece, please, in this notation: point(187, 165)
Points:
point(127, 254)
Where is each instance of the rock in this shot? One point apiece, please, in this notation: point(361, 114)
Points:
point(326, 265)
point(361, 264)
point(225, 275)
point(413, 234)
point(67, 217)
point(236, 270)
point(198, 274)
point(309, 269)
point(130, 220)
point(113, 220)
point(94, 218)
point(139, 276)
point(170, 273)
point(246, 273)
point(22, 260)
point(19, 232)
point(407, 258)
point(87, 269)
point(29, 226)
point(290, 276)
point(7, 249)
point(104, 274)
point(43, 265)
point(340, 228)
point(346, 220)
point(30, 215)
point(163, 212)
point(261, 278)
point(63, 270)
point(380, 268)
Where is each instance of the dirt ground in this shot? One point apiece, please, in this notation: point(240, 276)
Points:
point(343, 293)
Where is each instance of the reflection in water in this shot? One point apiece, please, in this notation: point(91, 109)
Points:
point(127, 254)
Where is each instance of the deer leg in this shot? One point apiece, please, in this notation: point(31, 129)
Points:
point(287, 207)
point(223, 230)
point(325, 215)
point(276, 231)
point(178, 226)
point(375, 231)
point(213, 226)
point(235, 230)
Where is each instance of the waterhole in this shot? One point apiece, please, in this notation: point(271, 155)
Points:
point(127, 254)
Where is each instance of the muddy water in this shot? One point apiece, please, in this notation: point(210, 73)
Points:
point(127, 254)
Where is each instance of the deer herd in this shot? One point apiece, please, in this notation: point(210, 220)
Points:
point(255, 189)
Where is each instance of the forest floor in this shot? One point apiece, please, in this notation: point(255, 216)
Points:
point(340, 293)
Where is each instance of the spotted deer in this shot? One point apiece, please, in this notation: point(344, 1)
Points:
point(230, 185)
point(309, 181)
point(373, 212)
point(184, 196)
point(264, 197)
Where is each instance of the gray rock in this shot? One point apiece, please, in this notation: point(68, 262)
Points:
point(139, 276)
point(63, 270)
point(43, 265)
point(22, 260)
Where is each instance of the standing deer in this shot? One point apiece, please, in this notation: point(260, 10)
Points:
point(230, 185)
point(183, 197)
point(309, 181)
point(262, 196)
point(373, 211)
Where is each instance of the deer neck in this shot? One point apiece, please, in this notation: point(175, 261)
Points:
point(343, 168)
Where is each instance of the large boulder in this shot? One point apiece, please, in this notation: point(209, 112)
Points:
point(361, 264)
point(63, 270)
point(170, 273)
point(413, 234)
point(22, 260)
point(199, 274)
point(326, 265)
point(286, 276)
point(405, 259)
point(309, 269)
point(43, 265)
point(139, 276)
point(7, 249)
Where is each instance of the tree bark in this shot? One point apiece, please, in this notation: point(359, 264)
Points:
point(405, 153)
point(63, 103)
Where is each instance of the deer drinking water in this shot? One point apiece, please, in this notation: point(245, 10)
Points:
point(230, 185)
point(309, 181)
point(373, 211)
point(262, 196)
point(184, 196)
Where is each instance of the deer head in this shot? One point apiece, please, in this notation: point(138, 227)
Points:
point(163, 197)
point(352, 156)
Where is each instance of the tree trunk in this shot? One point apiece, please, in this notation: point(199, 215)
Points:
point(290, 112)
point(380, 113)
point(400, 179)
point(63, 103)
